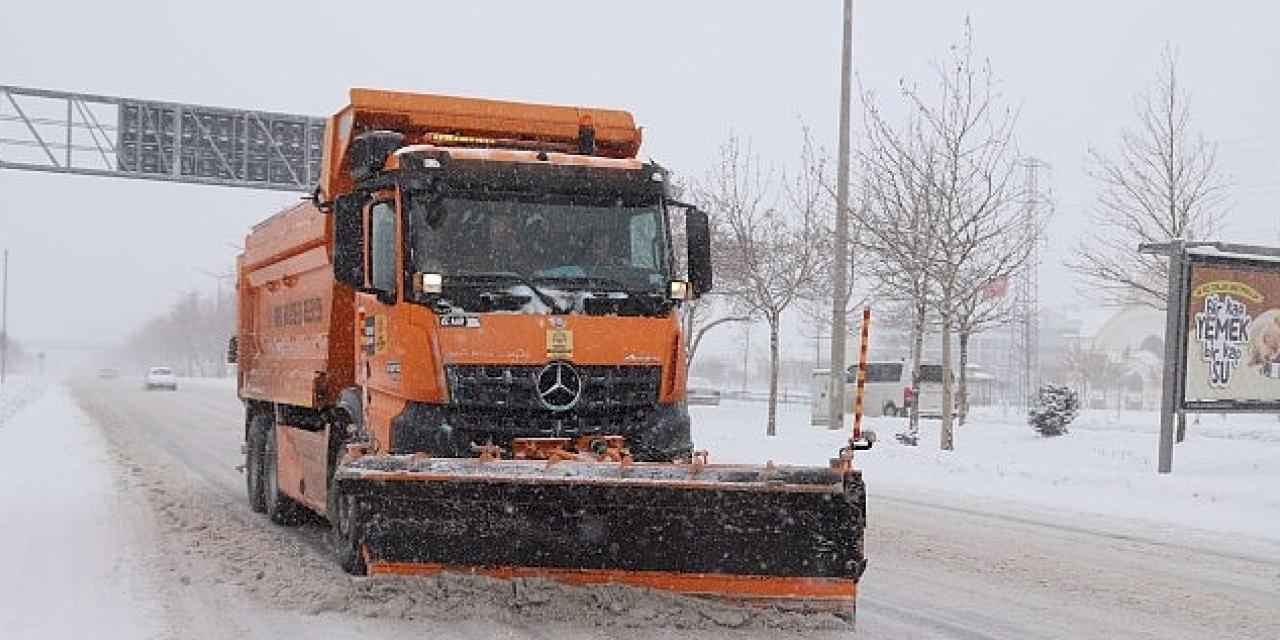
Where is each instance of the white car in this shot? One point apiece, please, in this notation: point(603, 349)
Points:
point(702, 391)
point(161, 378)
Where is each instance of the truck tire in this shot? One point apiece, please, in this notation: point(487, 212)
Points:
point(346, 535)
point(280, 508)
point(890, 410)
point(253, 463)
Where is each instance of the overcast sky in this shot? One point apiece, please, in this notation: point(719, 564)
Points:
point(92, 258)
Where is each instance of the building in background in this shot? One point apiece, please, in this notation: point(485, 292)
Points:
point(1117, 358)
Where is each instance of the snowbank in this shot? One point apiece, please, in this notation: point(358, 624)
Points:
point(1104, 466)
point(16, 392)
point(71, 568)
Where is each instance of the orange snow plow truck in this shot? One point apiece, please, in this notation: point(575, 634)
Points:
point(464, 351)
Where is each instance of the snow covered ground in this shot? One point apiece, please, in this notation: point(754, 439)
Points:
point(16, 392)
point(140, 531)
point(63, 534)
point(1224, 473)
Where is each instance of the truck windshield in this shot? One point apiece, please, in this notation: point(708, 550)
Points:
point(561, 243)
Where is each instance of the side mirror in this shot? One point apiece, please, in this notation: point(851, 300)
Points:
point(698, 233)
point(369, 151)
point(348, 241)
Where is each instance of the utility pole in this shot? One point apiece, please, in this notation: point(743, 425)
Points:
point(4, 319)
point(840, 266)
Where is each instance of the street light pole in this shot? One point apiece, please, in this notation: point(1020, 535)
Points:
point(840, 266)
point(4, 319)
point(218, 278)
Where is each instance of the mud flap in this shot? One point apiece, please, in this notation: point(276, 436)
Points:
point(787, 534)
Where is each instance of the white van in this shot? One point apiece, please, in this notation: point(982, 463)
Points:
point(931, 390)
point(886, 393)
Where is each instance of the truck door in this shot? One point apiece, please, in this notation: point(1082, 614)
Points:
point(378, 355)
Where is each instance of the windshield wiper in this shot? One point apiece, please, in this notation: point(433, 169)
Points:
point(511, 276)
point(595, 282)
point(647, 300)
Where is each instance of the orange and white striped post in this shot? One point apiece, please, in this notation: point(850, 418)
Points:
point(862, 374)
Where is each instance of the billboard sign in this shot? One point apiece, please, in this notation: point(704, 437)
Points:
point(1232, 334)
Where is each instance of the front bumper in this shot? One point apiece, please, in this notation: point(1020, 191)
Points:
point(654, 433)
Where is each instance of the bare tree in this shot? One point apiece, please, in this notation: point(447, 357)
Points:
point(817, 300)
point(701, 316)
point(771, 240)
point(191, 337)
point(1163, 183)
point(698, 317)
point(1088, 368)
point(978, 227)
point(16, 356)
point(983, 300)
point(895, 224)
point(950, 172)
point(983, 310)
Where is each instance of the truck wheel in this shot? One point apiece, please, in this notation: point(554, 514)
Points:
point(890, 410)
point(253, 463)
point(342, 511)
point(280, 507)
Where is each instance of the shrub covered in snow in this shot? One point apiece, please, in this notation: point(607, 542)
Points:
point(1056, 407)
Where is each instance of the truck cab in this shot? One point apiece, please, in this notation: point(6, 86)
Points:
point(526, 296)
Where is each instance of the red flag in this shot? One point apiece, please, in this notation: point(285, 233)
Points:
point(996, 288)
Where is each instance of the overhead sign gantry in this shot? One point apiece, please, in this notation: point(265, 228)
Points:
point(80, 133)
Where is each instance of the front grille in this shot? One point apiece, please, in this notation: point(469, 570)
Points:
point(504, 399)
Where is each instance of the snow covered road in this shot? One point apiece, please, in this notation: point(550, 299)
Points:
point(944, 563)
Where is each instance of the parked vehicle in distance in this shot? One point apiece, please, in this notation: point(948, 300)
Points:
point(161, 378)
point(887, 391)
point(107, 373)
point(702, 391)
point(888, 388)
point(931, 390)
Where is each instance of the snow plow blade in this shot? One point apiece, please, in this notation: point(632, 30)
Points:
point(785, 536)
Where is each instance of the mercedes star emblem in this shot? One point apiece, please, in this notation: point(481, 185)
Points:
point(559, 386)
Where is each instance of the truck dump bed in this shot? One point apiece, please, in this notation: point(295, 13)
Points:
point(296, 321)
